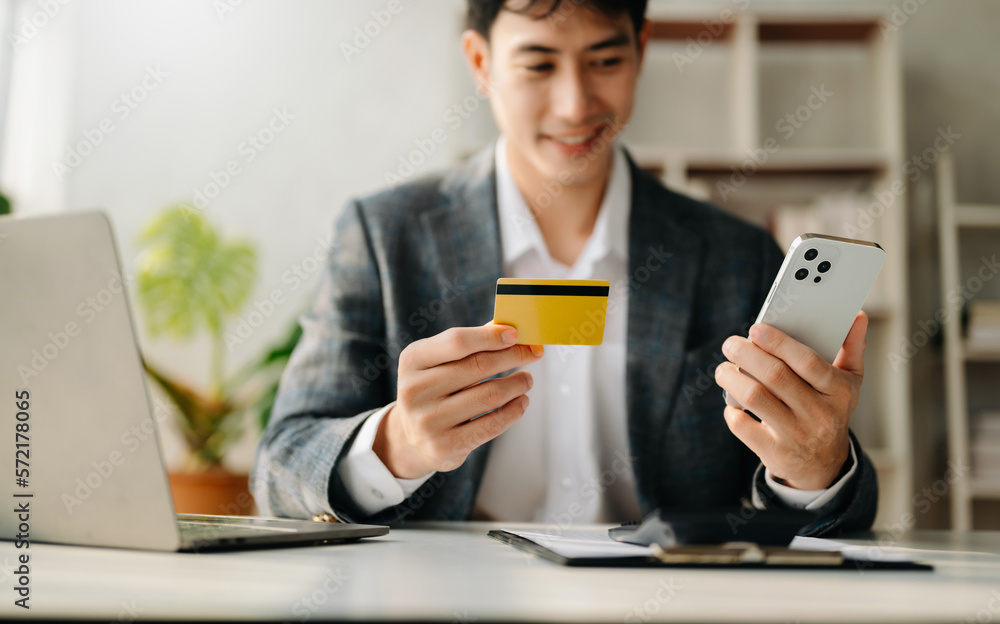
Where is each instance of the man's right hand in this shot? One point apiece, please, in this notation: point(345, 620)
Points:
point(429, 428)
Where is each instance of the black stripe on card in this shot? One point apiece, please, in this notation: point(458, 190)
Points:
point(563, 291)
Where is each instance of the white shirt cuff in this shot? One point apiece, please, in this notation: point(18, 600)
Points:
point(810, 499)
point(366, 478)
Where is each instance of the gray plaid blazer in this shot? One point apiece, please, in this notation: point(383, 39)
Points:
point(410, 262)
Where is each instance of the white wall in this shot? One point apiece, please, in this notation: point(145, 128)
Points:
point(224, 75)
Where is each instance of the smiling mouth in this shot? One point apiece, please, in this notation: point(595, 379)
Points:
point(576, 139)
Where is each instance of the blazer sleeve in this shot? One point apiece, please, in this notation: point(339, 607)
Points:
point(337, 376)
point(854, 507)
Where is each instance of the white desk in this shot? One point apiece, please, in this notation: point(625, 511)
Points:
point(454, 573)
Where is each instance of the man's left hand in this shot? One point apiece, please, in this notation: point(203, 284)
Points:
point(804, 403)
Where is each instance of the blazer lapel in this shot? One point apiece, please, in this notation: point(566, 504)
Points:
point(664, 261)
point(463, 234)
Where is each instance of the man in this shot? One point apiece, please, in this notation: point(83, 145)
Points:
point(366, 430)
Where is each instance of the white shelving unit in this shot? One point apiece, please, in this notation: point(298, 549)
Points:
point(715, 93)
point(957, 222)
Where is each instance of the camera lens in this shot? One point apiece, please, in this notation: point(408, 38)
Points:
point(811, 254)
point(823, 266)
point(801, 274)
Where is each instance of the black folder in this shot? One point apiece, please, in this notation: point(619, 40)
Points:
point(709, 557)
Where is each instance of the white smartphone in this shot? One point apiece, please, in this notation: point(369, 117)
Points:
point(819, 290)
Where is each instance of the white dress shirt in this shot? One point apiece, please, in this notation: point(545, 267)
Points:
point(567, 460)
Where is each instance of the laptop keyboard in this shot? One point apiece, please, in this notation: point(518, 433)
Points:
point(193, 530)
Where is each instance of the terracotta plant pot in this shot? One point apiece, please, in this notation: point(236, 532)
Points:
point(215, 491)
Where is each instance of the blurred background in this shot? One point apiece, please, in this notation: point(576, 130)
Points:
point(872, 120)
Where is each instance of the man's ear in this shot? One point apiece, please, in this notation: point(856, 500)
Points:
point(644, 35)
point(477, 55)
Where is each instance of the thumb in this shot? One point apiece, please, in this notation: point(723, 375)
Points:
point(851, 357)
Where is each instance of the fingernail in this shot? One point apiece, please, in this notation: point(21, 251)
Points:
point(727, 346)
point(759, 332)
point(524, 402)
point(509, 336)
point(531, 381)
point(537, 350)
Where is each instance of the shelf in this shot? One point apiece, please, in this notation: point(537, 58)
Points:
point(735, 108)
point(972, 353)
point(985, 489)
point(880, 311)
point(798, 161)
point(977, 216)
point(807, 31)
point(882, 459)
point(683, 29)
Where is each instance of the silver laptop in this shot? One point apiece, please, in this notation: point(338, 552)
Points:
point(80, 455)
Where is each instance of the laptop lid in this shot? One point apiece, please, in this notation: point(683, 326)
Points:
point(81, 450)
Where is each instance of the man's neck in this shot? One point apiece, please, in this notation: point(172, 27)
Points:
point(565, 213)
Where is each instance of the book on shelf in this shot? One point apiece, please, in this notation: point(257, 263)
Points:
point(983, 330)
point(845, 215)
point(985, 445)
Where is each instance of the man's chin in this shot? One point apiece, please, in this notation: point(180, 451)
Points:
point(578, 171)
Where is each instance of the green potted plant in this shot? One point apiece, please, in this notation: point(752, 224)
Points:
point(191, 280)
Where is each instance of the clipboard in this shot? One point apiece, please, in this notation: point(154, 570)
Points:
point(702, 557)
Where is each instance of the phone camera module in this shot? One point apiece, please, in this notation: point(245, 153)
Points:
point(801, 274)
point(823, 266)
point(817, 279)
point(811, 254)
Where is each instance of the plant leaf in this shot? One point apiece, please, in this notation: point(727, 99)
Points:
point(189, 278)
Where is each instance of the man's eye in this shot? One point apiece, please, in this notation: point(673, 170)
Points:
point(541, 67)
point(609, 62)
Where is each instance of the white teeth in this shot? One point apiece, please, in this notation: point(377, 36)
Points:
point(577, 140)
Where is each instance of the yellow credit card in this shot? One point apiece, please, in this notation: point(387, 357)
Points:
point(553, 312)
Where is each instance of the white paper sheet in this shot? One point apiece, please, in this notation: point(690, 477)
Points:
point(596, 543)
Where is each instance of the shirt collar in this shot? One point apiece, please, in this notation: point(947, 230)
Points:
point(519, 231)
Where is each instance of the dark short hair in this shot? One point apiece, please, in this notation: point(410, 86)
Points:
point(482, 13)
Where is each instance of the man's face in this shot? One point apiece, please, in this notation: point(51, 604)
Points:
point(563, 88)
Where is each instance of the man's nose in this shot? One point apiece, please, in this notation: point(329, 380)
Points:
point(571, 96)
